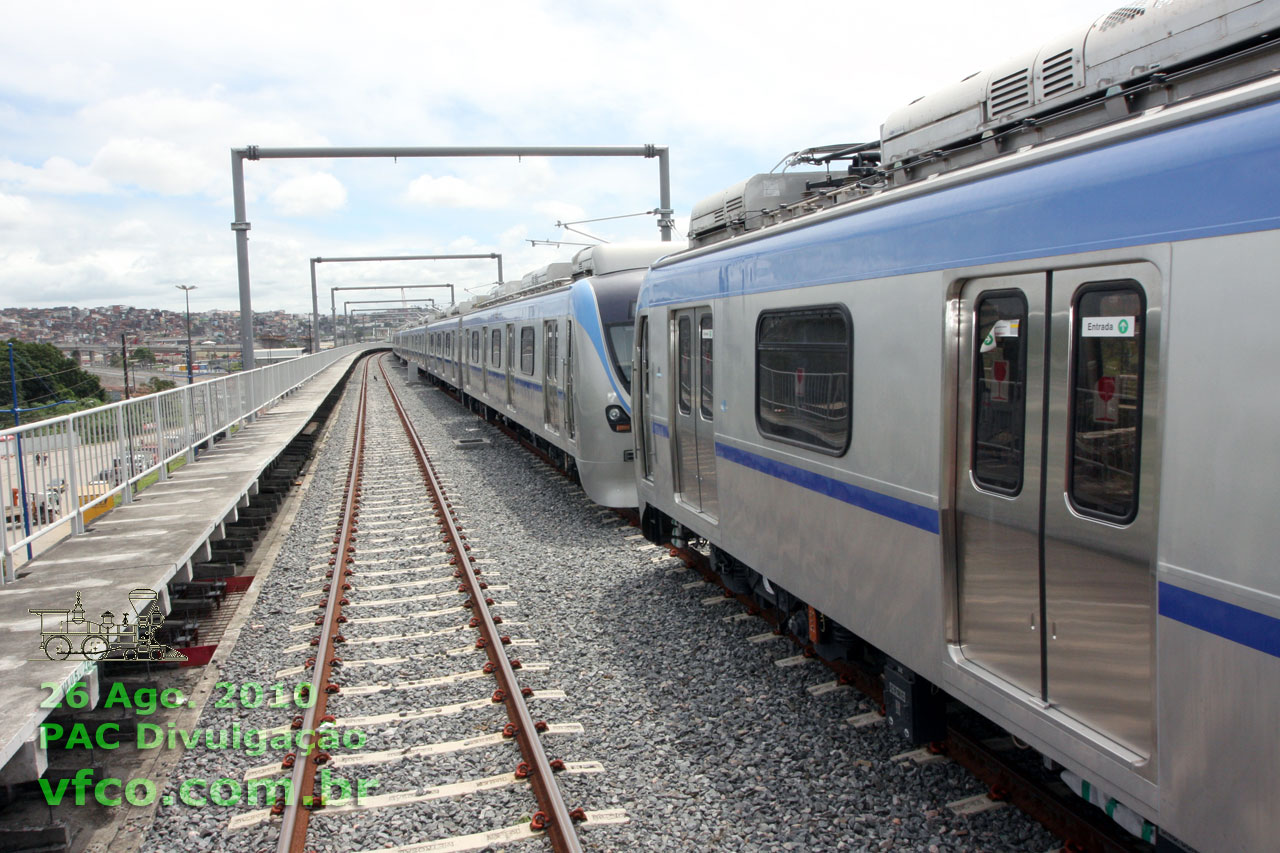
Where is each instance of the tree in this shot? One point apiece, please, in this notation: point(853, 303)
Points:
point(156, 384)
point(143, 355)
point(46, 376)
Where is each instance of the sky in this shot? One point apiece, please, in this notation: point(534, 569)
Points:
point(117, 120)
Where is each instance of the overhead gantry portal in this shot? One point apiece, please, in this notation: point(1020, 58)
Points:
point(252, 152)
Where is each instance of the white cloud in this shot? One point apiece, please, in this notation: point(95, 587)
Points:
point(448, 191)
point(561, 210)
point(133, 231)
point(155, 165)
point(55, 175)
point(14, 210)
point(309, 195)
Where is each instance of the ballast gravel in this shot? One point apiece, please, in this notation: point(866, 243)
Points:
point(705, 743)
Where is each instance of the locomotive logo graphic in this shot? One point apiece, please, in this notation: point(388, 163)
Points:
point(68, 634)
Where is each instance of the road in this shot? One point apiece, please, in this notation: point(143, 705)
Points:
point(114, 376)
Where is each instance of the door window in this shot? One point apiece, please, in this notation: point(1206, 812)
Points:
point(526, 350)
point(1106, 400)
point(706, 396)
point(999, 391)
point(684, 351)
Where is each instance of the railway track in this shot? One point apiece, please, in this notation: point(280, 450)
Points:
point(709, 745)
point(1083, 827)
point(403, 582)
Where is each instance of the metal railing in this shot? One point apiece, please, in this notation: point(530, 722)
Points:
point(59, 474)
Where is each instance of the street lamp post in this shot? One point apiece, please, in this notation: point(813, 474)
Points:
point(187, 288)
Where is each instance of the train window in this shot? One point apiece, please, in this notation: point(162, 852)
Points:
point(999, 391)
point(1106, 400)
point(803, 372)
point(475, 347)
point(448, 345)
point(526, 350)
point(495, 349)
point(704, 361)
point(684, 351)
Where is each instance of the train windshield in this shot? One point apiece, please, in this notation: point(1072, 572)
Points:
point(621, 337)
point(616, 296)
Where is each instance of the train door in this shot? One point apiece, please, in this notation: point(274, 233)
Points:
point(495, 354)
point(1057, 486)
point(484, 360)
point(694, 415)
point(569, 421)
point(511, 357)
point(468, 356)
point(644, 400)
point(551, 374)
point(476, 358)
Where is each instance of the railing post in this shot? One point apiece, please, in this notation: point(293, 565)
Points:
point(125, 464)
point(6, 556)
point(188, 424)
point(73, 478)
point(160, 454)
point(210, 416)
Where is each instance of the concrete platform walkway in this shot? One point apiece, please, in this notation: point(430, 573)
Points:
point(142, 545)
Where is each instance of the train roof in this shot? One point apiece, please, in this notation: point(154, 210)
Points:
point(609, 258)
point(1145, 55)
point(1119, 49)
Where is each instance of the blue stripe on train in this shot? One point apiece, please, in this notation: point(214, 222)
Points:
point(923, 517)
point(1230, 621)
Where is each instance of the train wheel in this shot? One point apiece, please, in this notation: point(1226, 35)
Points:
point(57, 648)
point(94, 648)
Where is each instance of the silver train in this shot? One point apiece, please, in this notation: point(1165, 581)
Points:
point(993, 405)
point(551, 355)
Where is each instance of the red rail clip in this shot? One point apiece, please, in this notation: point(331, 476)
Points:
point(523, 770)
point(539, 822)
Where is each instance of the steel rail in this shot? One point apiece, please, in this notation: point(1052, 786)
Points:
point(297, 806)
point(558, 822)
